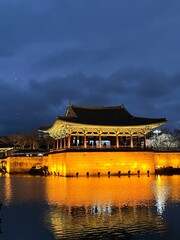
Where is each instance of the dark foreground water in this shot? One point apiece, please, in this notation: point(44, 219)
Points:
point(46, 208)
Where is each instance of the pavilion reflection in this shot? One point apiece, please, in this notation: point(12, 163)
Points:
point(106, 192)
point(166, 189)
point(6, 189)
point(99, 221)
point(161, 195)
point(99, 191)
point(102, 193)
point(86, 205)
point(91, 205)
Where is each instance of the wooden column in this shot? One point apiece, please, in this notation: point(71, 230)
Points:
point(64, 142)
point(60, 143)
point(131, 141)
point(85, 144)
point(69, 141)
point(117, 141)
point(100, 145)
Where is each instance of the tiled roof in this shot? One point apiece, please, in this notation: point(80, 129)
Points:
point(106, 116)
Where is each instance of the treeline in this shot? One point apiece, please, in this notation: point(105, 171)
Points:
point(31, 140)
point(164, 139)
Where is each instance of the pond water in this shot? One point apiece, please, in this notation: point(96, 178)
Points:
point(89, 208)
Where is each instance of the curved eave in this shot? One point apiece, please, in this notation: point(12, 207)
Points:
point(131, 121)
point(66, 121)
point(45, 129)
point(56, 123)
point(59, 124)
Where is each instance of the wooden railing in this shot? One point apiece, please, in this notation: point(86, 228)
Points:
point(110, 147)
point(167, 149)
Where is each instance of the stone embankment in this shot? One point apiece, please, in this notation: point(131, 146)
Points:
point(95, 163)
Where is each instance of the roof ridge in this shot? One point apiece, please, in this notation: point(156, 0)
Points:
point(97, 107)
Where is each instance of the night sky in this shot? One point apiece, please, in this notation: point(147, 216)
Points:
point(88, 52)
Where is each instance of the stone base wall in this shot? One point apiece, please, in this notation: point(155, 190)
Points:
point(57, 163)
point(104, 162)
point(167, 159)
point(81, 163)
point(24, 164)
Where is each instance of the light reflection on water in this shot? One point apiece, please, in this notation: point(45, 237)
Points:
point(90, 208)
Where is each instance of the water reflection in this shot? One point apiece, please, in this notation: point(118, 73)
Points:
point(100, 208)
point(161, 192)
point(99, 191)
point(91, 208)
point(8, 189)
point(81, 222)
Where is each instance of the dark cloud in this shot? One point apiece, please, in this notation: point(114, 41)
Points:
point(72, 58)
point(39, 102)
point(87, 52)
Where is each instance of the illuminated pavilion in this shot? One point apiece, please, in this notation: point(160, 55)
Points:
point(100, 127)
